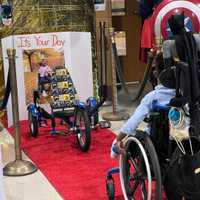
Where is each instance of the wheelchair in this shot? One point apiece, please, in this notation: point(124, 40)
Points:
point(147, 156)
point(61, 95)
point(152, 154)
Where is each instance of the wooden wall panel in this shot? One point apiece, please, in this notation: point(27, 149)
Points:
point(131, 23)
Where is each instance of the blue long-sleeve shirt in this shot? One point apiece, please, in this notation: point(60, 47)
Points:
point(162, 94)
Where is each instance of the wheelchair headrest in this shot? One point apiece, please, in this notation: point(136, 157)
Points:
point(176, 23)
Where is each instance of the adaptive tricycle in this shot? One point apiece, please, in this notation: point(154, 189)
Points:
point(60, 94)
point(58, 91)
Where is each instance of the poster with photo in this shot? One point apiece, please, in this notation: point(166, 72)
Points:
point(38, 66)
point(55, 63)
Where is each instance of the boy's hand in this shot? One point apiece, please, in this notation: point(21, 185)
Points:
point(116, 149)
point(120, 147)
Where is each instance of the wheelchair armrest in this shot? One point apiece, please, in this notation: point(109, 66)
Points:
point(158, 107)
point(152, 115)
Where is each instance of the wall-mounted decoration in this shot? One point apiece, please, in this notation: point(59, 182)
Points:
point(118, 7)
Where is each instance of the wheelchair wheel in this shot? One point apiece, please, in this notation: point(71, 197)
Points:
point(82, 125)
point(139, 170)
point(33, 125)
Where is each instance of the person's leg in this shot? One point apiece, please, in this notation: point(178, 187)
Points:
point(46, 115)
point(42, 82)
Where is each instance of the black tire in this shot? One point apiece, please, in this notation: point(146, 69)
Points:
point(33, 125)
point(134, 171)
point(110, 189)
point(83, 131)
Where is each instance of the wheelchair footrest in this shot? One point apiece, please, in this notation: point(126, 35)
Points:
point(110, 183)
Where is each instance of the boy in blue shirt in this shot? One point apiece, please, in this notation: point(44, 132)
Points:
point(162, 94)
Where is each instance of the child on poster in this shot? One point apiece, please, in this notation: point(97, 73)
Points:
point(45, 73)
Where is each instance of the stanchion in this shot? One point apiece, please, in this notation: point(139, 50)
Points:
point(115, 115)
point(18, 167)
point(103, 58)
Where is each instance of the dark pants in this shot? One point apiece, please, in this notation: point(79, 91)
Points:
point(46, 115)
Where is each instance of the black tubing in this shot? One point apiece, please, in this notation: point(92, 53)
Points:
point(145, 77)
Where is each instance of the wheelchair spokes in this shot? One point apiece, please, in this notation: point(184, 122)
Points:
point(140, 187)
point(135, 178)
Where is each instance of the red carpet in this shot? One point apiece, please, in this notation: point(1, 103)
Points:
point(74, 174)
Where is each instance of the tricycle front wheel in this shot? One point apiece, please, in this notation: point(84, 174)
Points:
point(83, 131)
point(33, 125)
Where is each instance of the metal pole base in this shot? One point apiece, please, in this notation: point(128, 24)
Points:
point(19, 168)
point(107, 103)
point(117, 116)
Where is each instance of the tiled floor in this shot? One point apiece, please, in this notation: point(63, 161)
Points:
point(36, 186)
point(31, 187)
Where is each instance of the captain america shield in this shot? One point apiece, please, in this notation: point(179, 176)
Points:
point(167, 8)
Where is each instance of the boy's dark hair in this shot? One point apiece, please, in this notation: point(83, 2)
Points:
point(165, 74)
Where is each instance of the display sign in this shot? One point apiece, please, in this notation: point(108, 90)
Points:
point(100, 5)
point(118, 7)
point(39, 55)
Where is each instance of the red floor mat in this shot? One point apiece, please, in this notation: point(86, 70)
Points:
point(74, 174)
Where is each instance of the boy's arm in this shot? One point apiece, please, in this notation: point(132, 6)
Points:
point(138, 116)
point(121, 136)
point(130, 126)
